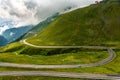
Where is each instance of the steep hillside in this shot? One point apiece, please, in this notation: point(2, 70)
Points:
point(94, 25)
point(110, 1)
point(3, 41)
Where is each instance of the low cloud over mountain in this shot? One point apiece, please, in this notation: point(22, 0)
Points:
point(34, 11)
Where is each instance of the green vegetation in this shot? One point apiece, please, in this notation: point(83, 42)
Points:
point(110, 1)
point(66, 58)
point(36, 78)
point(14, 47)
point(20, 48)
point(111, 68)
point(93, 25)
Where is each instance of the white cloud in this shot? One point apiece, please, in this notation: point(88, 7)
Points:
point(34, 11)
point(2, 29)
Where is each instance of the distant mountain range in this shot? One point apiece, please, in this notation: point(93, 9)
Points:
point(14, 34)
point(9, 34)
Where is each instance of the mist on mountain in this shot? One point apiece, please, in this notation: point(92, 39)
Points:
point(28, 12)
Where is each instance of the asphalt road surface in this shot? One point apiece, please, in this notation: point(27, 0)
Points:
point(60, 74)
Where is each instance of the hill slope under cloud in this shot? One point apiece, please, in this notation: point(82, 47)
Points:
point(28, 12)
point(94, 25)
point(15, 14)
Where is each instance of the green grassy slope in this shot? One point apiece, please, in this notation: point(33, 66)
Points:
point(36, 78)
point(66, 58)
point(110, 1)
point(94, 25)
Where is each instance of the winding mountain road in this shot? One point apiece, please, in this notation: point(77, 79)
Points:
point(61, 74)
point(104, 61)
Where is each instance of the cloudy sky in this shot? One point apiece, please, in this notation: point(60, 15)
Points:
point(34, 11)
